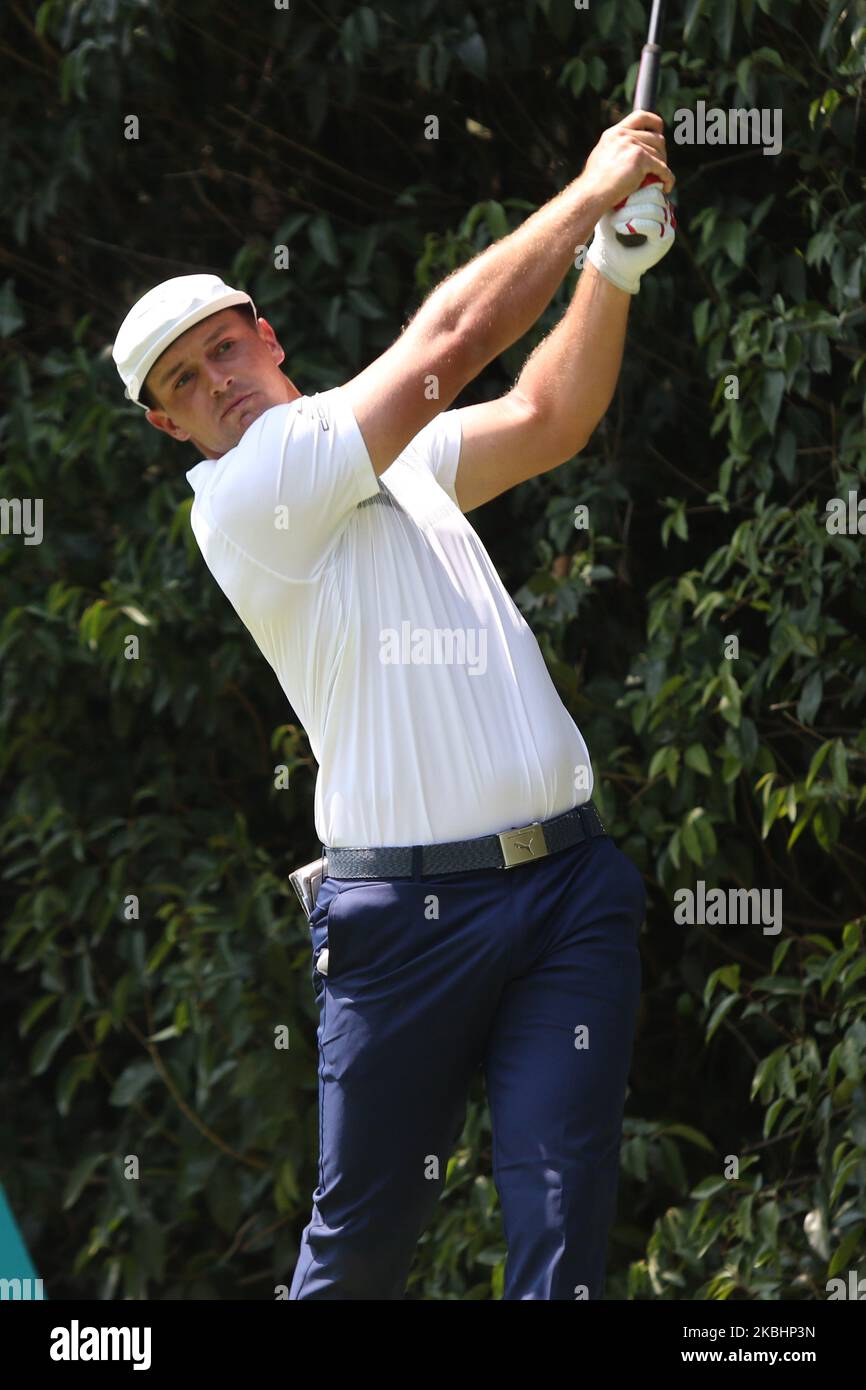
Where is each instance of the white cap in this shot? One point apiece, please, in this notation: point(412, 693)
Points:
point(160, 316)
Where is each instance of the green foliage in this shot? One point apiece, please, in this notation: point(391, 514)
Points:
point(774, 1230)
point(705, 629)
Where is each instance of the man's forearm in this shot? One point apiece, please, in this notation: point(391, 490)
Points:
point(501, 293)
point(571, 376)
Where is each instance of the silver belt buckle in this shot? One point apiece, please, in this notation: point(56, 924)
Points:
point(523, 844)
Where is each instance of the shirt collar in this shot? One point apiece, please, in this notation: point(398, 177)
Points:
point(196, 476)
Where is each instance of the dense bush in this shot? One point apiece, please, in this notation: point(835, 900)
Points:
point(738, 417)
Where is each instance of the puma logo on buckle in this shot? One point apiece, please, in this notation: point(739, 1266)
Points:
point(522, 843)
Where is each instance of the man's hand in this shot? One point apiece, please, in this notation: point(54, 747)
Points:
point(647, 211)
point(626, 152)
point(625, 155)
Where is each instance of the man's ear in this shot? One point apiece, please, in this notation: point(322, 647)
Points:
point(264, 330)
point(161, 421)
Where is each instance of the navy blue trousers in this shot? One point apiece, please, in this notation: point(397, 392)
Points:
point(532, 973)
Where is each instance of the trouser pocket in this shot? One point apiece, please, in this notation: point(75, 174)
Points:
point(320, 935)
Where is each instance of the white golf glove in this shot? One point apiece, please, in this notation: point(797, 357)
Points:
point(649, 211)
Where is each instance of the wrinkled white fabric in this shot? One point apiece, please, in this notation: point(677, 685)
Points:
point(421, 687)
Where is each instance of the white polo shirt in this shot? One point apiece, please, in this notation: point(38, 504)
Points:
point(421, 687)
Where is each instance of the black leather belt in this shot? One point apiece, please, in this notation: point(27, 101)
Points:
point(520, 845)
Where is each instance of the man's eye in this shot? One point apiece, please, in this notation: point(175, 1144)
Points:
point(227, 342)
point(181, 380)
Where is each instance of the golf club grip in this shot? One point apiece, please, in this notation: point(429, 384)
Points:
point(647, 85)
point(645, 92)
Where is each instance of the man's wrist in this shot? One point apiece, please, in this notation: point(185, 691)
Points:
point(609, 286)
point(591, 197)
point(614, 275)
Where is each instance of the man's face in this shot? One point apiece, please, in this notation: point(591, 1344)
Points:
point(196, 381)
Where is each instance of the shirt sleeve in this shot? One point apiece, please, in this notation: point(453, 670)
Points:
point(437, 447)
point(288, 489)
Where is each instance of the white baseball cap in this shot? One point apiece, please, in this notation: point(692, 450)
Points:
point(160, 316)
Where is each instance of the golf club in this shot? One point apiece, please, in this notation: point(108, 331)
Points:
point(645, 92)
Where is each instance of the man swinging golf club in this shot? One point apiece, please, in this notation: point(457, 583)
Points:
point(473, 909)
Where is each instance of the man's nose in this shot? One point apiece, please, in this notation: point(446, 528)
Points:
point(220, 380)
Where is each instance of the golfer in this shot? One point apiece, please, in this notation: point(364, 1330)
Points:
point(473, 913)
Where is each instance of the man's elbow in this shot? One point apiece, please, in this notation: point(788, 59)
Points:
point(568, 443)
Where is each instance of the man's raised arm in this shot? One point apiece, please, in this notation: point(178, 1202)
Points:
point(485, 306)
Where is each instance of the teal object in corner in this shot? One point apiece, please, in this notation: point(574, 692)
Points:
point(17, 1273)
